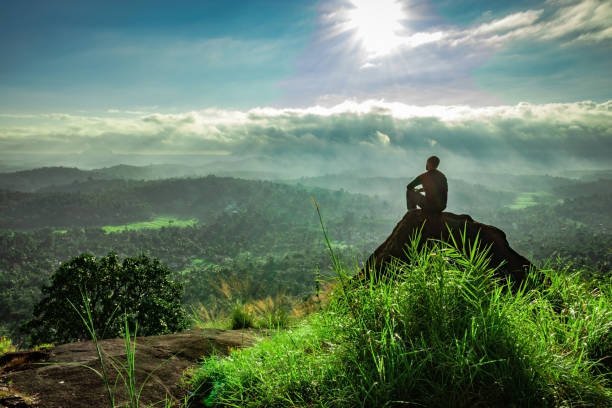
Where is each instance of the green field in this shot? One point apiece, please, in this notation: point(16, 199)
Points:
point(524, 200)
point(156, 223)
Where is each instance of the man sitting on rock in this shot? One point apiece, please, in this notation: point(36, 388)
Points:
point(434, 185)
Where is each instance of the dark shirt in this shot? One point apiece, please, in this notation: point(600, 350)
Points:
point(435, 187)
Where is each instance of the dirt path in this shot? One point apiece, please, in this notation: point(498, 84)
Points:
point(59, 378)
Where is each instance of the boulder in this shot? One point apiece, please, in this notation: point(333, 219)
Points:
point(446, 226)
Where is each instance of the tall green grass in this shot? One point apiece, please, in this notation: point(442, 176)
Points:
point(113, 367)
point(440, 330)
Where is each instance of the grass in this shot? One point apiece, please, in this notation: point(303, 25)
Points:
point(293, 363)
point(109, 367)
point(270, 313)
point(524, 200)
point(438, 331)
point(196, 262)
point(156, 223)
point(6, 345)
point(103, 373)
point(241, 317)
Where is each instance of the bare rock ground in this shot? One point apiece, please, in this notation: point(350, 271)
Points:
point(62, 377)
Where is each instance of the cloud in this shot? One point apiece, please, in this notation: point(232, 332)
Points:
point(581, 21)
point(383, 139)
point(548, 51)
point(351, 136)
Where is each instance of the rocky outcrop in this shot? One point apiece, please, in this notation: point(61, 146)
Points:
point(62, 377)
point(442, 227)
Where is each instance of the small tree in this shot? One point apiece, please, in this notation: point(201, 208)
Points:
point(139, 288)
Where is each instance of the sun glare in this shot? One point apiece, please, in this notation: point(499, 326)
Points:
point(377, 24)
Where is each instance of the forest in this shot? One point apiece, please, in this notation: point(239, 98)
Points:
point(262, 238)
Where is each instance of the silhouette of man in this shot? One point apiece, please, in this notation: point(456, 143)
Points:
point(434, 185)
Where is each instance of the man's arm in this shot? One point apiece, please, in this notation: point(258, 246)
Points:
point(414, 183)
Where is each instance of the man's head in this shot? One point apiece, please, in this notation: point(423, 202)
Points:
point(432, 163)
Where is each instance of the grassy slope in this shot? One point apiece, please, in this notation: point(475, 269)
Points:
point(441, 332)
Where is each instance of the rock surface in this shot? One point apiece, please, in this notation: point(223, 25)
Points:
point(442, 227)
point(61, 377)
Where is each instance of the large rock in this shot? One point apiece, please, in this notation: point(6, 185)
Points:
point(442, 227)
point(62, 377)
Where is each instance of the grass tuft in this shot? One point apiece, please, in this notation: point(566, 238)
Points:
point(241, 317)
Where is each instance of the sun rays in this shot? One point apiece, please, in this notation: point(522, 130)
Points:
point(375, 24)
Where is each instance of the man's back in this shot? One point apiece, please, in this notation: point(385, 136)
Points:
point(436, 189)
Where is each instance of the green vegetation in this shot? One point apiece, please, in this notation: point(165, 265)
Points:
point(241, 318)
point(156, 223)
point(124, 370)
point(138, 289)
point(439, 331)
point(259, 238)
point(268, 313)
point(6, 345)
point(524, 200)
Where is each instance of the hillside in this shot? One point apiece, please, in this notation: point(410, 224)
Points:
point(51, 177)
point(102, 202)
point(437, 329)
point(434, 328)
point(261, 237)
point(257, 245)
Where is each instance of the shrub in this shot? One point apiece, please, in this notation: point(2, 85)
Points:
point(138, 288)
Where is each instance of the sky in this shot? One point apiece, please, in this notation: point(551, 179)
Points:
point(307, 87)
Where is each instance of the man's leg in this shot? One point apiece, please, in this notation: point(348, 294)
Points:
point(413, 199)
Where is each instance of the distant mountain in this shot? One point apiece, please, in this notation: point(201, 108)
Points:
point(516, 183)
point(32, 180)
point(52, 177)
point(152, 172)
point(56, 178)
point(103, 201)
point(589, 174)
point(588, 188)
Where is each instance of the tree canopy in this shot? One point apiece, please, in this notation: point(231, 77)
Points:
point(137, 288)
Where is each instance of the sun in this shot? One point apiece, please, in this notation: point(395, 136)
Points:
point(377, 24)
